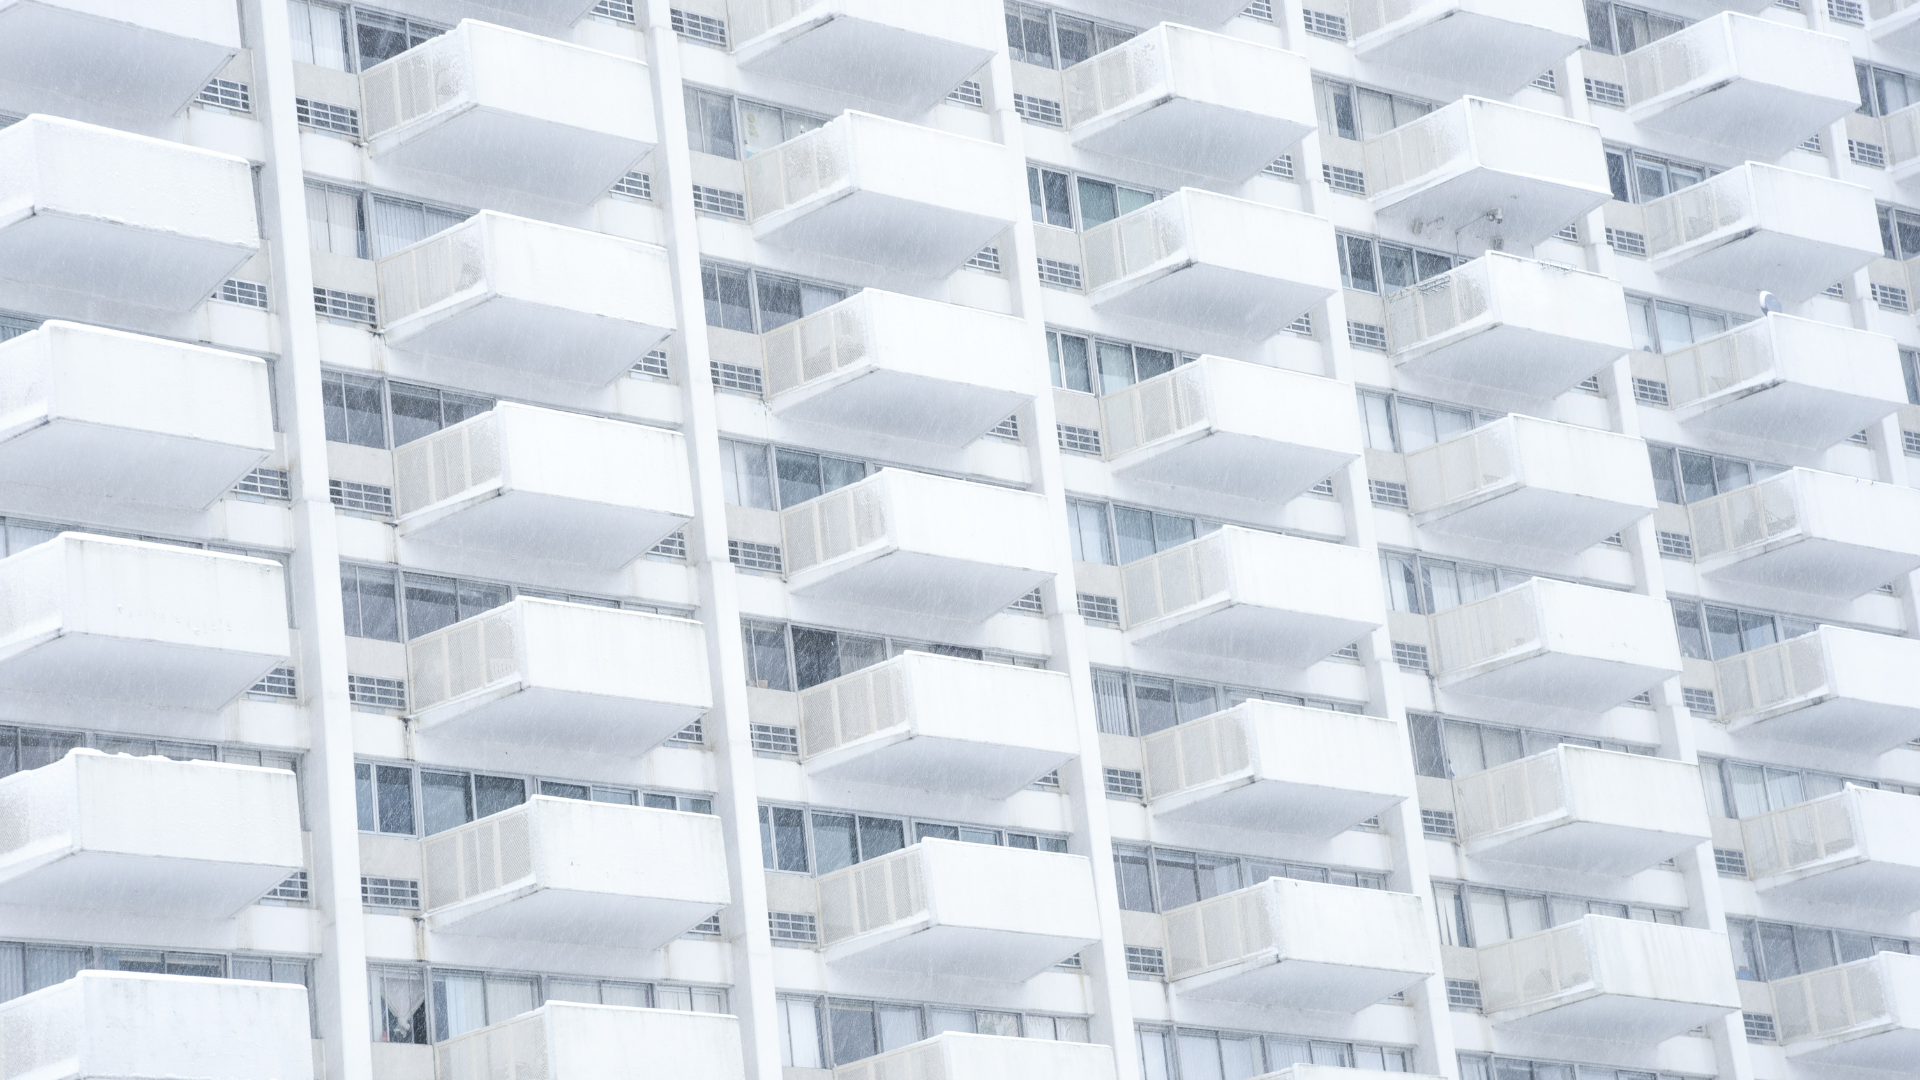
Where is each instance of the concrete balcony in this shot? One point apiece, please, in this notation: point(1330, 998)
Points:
point(546, 673)
point(1536, 483)
point(899, 365)
point(1253, 596)
point(115, 833)
point(1903, 143)
point(1192, 101)
point(515, 293)
point(1230, 426)
point(864, 187)
point(964, 1056)
point(119, 217)
point(1488, 169)
point(1195, 12)
point(1301, 945)
point(562, 1040)
point(1605, 978)
point(1763, 227)
point(964, 910)
point(128, 54)
point(939, 723)
point(1510, 323)
point(917, 542)
point(1277, 768)
point(906, 55)
point(1576, 808)
point(1552, 643)
point(133, 622)
point(121, 416)
point(1858, 846)
point(1511, 41)
point(542, 484)
point(510, 109)
point(1304, 1071)
point(1834, 687)
point(1811, 532)
point(1783, 379)
point(1211, 262)
point(1749, 82)
point(569, 870)
point(1863, 1015)
point(1895, 24)
point(157, 1027)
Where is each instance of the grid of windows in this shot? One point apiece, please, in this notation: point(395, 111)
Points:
point(1420, 585)
point(1157, 879)
point(405, 800)
point(735, 128)
point(801, 841)
point(783, 657)
point(414, 1003)
point(350, 37)
point(753, 302)
point(1484, 1067)
point(1448, 748)
point(1740, 789)
point(1688, 476)
point(1765, 951)
point(1474, 916)
point(1401, 425)
point(1192, 1054)
point(1075, 360)
point(1637, 177)
point(1359, 113)
point(1070, 201)
point(1715, 631)
point(1621, 28)
point(1116, 535)
point(1128, 703)
point(1376, 266)
point(820, 1033)
point(1054, 39)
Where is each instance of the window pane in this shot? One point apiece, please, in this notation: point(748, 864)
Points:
point(1784, 788)
point(878, 836)
point(728, 302)
point(760, 128)
point(1723, 632)
point(1376, 113)
point(1131, 873)
point(1199, 1057)
point(1089, 524)
point(1151, 362)
point(1749, 790)
point(1526, 914)
point(1640, 321)
point(899, 1026)
point(1676, 326)
point(1283, 1052)
point(799, 475)
point(446, 800)
point(1073, 363)
point(1488, 911)
point(1396, 267)
point(1696, 476)
point(399, 1005)
point(1132, 199)
point(1500, 744)
point(1617, 176)
point(1814, 948)
point(1153, 704)
point(459, 1004)
point(1666, 479)
point(1402, 587)
point(854, 1038)
point(1377, 418)
point(1134, 531)
point(1416, 425)
point(1116, 366)
point(816, 657)
point(1357, 264)
point(1059, 205)
point(380, 37)
point(363, 796)
point(1194, 700)
point(1430, 264)
point(476, 597)
point(779, 301)
point(1686, 623)
point(833, 845)
point(508, 998)
point(1176, 874)
point(394, 790)
point(492, 794)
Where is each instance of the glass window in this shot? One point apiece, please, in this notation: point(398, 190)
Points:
point(854, 1036)
point(834, 845)
point(728, 297)
point(1356, 264)
point(800, 1033)
point(766, 655)
point(1067, 359)
point(745, 477)
point(1087, 524)
point(351, 406)
point(336, 224)
point(446, 800)
point(1134, 877)
point(710, 123)
point(367, 597)
point(399, 1004)
point(1051, 197)
point(400, 222)
point(319, 34)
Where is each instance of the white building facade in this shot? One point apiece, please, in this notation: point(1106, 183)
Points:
point(1123, 540)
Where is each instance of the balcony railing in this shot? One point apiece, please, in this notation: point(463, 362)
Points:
point(1579, 808)
point(1190, 100)
point(1210, 261)
point(1757, 84)
point(955, 1055)
point(1602, 977)
point(1783, 378)
point(1446, 169)
point(939, 723)
point(527, 296)
point(1834, 687)
point(584, 872)
point(1556, 643)
point(965, 909)
point(502, 107)
point(1274, 767)
point(1798, 837)
point(910, 55)
point(121, 218)
point(1764, 227)
point(1861, 1014)
point(1853, 847)
point(129, 55)
point(899, 365)
point(1812, 532)
point(543, 672)
point(911, 198)
point(554, 1042)
point(1227, 425)
point(1534, 482)
point(138, 1026)
point(1512, 43)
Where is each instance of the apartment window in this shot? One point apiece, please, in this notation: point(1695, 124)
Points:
point(1482, 1067)
point(781, 657)
point(1422, 586)
point(754, 302)
point(383, 795)
point(398, 223)
point(768, 665)
point(1688, 476)
point(818, 1033)
point(1070, 201)
point(25, 748)
point(756, 475)
point(370, 599)
point(1047, 38)
point(1189, 1054)
point(351, 222)
point(354, 409)
point(1663, 326)
point(1765, 951)
point(1474, 917)
point(1155, 879)
point(1127, 703)
point(1620, 29)
point(834, 840)
point(336, 220)
point(1375, 266)
point(387, 796)
point(419, 411)
point(1712, 632)
point(1074, 360)
point(1402, 425)
point(12, 326)
point(352, 38)
point(729, 127)
point(466, 1001)
point(435, 602)
point(1910, 368)
point(1739, 789)
point(1637, 177)
point(1884, 91)
point(1449, 748)
point(1129, 532)
point(1359, 113)
point(1899, 233)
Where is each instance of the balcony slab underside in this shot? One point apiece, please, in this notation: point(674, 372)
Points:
point(54, 49)
point(1591, 846)
point(871, 226)
point(1524, 359)
point(1506, 54)
point(1548, 519)
point(151, 467)
point(1250, 466)
point(492, 146)
point(151, 267)
point(899, 757)
point(1249, 632)
point(954, 951)
point(548, 526)
point(1848, 878)
point(1831, 720)
point(1463, 197)
point(1757, 258)
point(1198, 136)
point(870, 397)
point(1586, 1012)
point(560, 719)
point(918, 581)
point(1808, 564)
point(1780, 410)
point(1884, 1046)
point(1193, 293)
point(85, 665)
point(1551, 678)
point(1753, 112)
point(66, 879)
point(1282, 806)
point(1298, 984)
point(507, 331)
point(864, 58)
point(567, 915)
